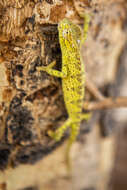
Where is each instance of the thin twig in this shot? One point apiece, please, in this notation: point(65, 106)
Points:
point(107, 103)
point(91, 87)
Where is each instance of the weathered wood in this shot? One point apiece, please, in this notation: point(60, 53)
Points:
point(31, 103)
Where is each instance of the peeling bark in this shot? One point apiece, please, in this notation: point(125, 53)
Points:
point(31, 103)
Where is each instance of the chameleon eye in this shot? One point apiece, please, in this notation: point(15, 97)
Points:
point(65, 32)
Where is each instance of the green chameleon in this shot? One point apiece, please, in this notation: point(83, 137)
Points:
point(73, 77)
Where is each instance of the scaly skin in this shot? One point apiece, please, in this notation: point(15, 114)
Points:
point(73, 77)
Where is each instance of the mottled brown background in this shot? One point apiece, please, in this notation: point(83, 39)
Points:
point(31, 103)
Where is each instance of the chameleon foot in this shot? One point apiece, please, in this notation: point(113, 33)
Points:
point(46, 68)
point(54, 135)
point(57, 135)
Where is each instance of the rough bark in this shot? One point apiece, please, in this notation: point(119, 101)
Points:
point(31, 103)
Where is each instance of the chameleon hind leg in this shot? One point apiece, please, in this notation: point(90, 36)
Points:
point(57, 135)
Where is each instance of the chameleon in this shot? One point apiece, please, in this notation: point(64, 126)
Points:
point(72, 75)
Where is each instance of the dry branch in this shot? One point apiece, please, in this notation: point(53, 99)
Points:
point(107, 103)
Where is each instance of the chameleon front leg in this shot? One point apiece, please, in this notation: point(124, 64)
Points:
point(57, 135)
point(54, 72)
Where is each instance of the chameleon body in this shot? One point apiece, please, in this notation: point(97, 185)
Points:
point(73, 77)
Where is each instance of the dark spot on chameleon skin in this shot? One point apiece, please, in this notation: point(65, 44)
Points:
point(67, 88)
point(80, 79)
point(78, 66)
point(76, 102)
point(72, 102)
point(72, 89)
point(79, 92)
point(79, 101)
point(72, 76)
point(79, 87)
point(78, 75)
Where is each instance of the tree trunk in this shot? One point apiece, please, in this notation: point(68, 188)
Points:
point(31, 102)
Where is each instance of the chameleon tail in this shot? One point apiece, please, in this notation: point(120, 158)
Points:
point(74, 133)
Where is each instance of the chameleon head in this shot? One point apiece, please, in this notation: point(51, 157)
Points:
point(69, 34)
